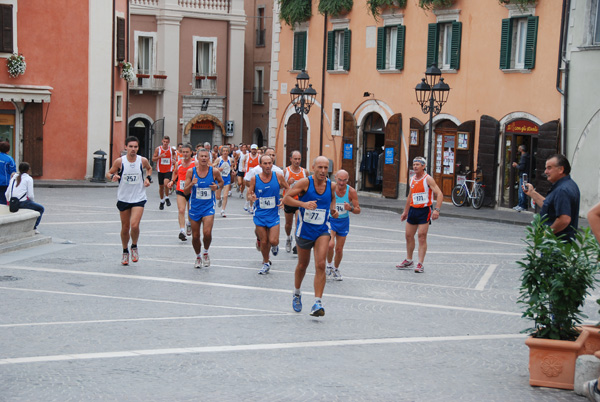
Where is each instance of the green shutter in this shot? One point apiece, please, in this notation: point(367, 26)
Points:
point(506, 43)
point(455, 46)
point(531, 42)
point(299, 50)
point(380, 48)
point(295, 52)
point(433, 39)
point(400, 47)
point(347, 41)
point(330, 49)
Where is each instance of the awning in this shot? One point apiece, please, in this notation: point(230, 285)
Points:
point(25, 93)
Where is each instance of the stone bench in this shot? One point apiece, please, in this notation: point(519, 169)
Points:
point(16, 225)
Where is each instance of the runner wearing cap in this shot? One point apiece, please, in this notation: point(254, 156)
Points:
point(419, 212)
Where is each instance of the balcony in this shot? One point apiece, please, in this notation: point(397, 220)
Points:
point(146, 80)
point(203, 84)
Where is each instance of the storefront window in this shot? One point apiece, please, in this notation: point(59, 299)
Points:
point(7, 129)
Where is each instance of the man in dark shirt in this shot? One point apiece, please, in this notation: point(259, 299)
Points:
point(561, 204)
point(523, 167)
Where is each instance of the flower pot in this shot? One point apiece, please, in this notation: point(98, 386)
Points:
point(592, 342)
point(552, 363)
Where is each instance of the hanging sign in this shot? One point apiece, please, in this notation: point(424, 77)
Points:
point(347, 151)
point(389, 156)
point(522, 127)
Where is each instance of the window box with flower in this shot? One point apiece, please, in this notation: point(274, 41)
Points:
point(16, 65)
point(127, 72)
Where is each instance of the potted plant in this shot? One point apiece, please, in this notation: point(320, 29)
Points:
point(127, 72)
point(375, 7)
point(16, 65)
point(557, 276)
point(431, 4)
point(294, 11)
point(335, 7)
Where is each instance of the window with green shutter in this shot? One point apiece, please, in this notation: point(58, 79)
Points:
point(390, 47)
point(518, 42)
point(338, 50)
point(299, 62)
point(443, 45)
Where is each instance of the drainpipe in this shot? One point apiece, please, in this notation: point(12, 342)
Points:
point(564, 27)
point(323, 70)
point(227, 61)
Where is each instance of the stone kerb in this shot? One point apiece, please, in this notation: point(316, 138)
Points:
point(17, 225)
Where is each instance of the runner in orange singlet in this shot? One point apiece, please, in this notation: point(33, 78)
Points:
point(419, 212)
point(178, 181)
point(164, 158)
point(292, 174)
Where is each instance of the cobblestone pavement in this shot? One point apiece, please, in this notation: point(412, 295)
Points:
point(76, 325)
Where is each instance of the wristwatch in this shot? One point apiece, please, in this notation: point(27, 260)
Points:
point(436, 209)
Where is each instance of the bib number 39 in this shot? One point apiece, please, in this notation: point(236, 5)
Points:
point(203, 193)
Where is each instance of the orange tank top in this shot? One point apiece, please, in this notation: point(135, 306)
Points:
point(296, 176)
point(252, 162)
point(181, 173)
point(422, 195)
point(165, 160)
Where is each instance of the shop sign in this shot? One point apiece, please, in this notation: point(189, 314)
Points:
point(203, 125)
point(347, 151)
point(522, 127)
point(389, 156)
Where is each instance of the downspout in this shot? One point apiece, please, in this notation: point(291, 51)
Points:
point(227, 61)
point(564, 25)
point(112, 85)
point(126, 99)
point(323, 70)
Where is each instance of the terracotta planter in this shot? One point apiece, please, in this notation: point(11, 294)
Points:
point(592, 342)
point(552, 363)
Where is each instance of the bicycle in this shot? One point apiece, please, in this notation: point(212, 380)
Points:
point(462, 195)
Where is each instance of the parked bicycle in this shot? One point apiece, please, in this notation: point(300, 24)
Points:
point(461, 193)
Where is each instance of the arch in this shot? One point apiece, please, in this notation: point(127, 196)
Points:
point(140, 116)
point(290, 111)
point(257, 137)
point(518, 115)
point(440, 117)
point(202, 117)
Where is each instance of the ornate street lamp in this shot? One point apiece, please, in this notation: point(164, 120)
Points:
point(303, 97)
point(432, 93)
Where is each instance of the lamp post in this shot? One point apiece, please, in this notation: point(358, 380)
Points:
point(431, 96)
point(303, 97)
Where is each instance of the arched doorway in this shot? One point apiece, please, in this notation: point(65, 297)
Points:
point(140, 128)
point(293, 138)
point(373, 142)
point(257, 137)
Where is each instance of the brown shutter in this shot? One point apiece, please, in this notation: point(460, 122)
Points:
point(293, 139)
point(391, 172)
point(546, 147)
point(6, 17)
point(120, 39)
point(487, 155)
point(33, 140)
point(465, 156)
point(349, 137)
point(414, 150)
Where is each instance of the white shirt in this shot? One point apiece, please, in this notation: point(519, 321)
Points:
point(258, 170)
point(25, 188)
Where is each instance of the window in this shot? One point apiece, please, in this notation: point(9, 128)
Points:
point(390, 47)
point(120, 39)
point(260, 27)
point(144, 62)
point(336, 120)
point(518, 43)
point(443, 45)
point(118, 106)
point(205, 64)
point(204, 58)
point(6, 19)
point(259, 87)
point(299, 62)
point(338, 50)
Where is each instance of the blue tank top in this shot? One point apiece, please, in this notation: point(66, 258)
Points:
point(267, 196)
point(202, 196)
point(339, 204)
point(313, 223)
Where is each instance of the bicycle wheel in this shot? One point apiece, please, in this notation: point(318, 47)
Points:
point(478, 197)
point(459, 195)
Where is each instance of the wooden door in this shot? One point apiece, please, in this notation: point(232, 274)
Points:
point(349, 148)
point(547, 146)
point(293, 139)
point(416, 147)
point(444, 161)
point(33, 138)
point(391, 171)
point(487, 156)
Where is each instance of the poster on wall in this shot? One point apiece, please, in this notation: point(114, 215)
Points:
point(347, 151)
point(389, 156)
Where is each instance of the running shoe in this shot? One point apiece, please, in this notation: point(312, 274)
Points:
point(258, 244)
point(223, 213)
point(246, 205)
point(590, 390)
point(125, 259)
point(182, 236)
point(288, 245)
point(198, 263)
point(405, 264)
point(161, 206)
point(168, 201)
point(317, 310)
point(205, 259)
point(241, 194)
point(134, 254)
point(294, 250)
point(275, 250)
point(328, 270)
point(265, 269)
point(419, 268)
point(188, 228)
point(297, 303)
point(337, 275)
point(229, 194)
point(220, 203)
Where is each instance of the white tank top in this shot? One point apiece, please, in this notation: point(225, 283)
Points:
point(131, 186)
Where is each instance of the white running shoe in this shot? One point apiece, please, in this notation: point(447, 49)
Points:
point(246, 205)
point(188, 228)
point(337, 276)
point(229, 194)
point(288, 245)
point(275, 250)
point(328, 270)
point(205, 259)
point(223, 213)
point(198, 263)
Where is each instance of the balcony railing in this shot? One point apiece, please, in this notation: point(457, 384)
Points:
point(220, 6)
point(147, 80)
point(204, 84)
point(260, 37)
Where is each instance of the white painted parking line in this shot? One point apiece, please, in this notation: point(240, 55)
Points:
point(257, 347)
point(257, 288)
point(486, 277)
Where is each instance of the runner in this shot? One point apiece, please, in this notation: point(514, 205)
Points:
point(251, 161)
point(292, 174)
point(418, 212)
point(223, 165)
point(267, 185)
point(164, 158)
point(202, 181)
point(178, 181)
point(316, 201)
point(128, 170)
point(178, 153)
point(241, 168)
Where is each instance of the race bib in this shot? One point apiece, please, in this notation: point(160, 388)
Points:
point(226, 169)
point(165, 161)
point(315, 216)
point(340, 208)
point(132, 178)
point(203, 193)
point(419, 198)
point(267, 202)
point(181, 185)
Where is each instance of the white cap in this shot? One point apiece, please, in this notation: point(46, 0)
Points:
point(253, 146)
